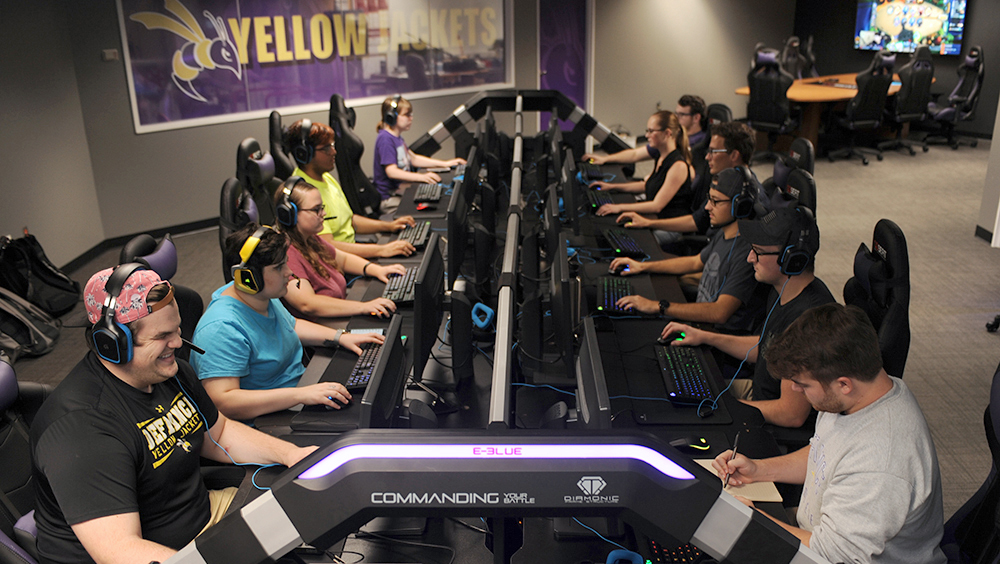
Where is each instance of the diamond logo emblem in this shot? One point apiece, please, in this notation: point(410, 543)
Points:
point(591, 485)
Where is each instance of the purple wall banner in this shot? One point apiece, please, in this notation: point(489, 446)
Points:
point(198, 62)
point(562, 52)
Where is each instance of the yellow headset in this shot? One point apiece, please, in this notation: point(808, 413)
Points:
point(246, 278)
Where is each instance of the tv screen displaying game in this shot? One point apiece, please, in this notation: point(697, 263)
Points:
point(901, 25)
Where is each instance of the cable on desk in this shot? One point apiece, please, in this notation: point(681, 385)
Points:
point(543, 386)
point(365, 536)
point(468, 526)
point(337, 558)
point(602, 537)
point(536, 359)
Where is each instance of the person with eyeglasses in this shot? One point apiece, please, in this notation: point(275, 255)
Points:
point(668, 190)
point(320, 287)
point(340, 224)
point(690, 113)
point(730, 145)
point(783, 246)
point(728, 295)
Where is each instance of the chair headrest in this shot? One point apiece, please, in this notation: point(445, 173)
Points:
point(766, 57)
point(781, 170)
point(803, 154)
point(883, 62)
point(254, 166)
point(870, 272)
point(160, 257)
point(974, 58)
point(8, 383)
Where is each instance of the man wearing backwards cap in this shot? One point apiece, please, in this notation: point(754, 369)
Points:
point(783, 247)
point(728, 294)
point(116, 448)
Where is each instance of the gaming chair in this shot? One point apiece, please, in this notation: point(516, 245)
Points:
point(910, 103)
point(283, 163)
point(961, 103)
point(769, 109)
point(864, 110)
point(358, 188)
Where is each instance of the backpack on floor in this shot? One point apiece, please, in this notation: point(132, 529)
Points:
point(25, 329)
point(26, 271)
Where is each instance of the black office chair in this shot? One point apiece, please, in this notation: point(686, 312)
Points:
point(865, 109)
point(810, 56)
point(961, 103)
point(161, 256)
point(881, 287)
point(769, 109)
point(19, 402)
point(358, 188)
point(799, 188)
point(236, 209)
point(255, 172)
point(972, 534)
point(792, 59)
point(717, 113)
point(338, 108)
point(910, 103)
point(416, 70)
point(801, 155)
point(284, 165)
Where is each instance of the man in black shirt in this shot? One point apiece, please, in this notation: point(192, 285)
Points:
point(116, 448)
point(783, 247)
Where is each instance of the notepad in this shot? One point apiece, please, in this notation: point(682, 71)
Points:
point(757, 491)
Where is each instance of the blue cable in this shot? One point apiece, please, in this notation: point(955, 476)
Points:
point(482, 352)
point(609, 541)
point(543, 386)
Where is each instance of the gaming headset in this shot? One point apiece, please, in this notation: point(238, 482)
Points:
point(795, 258)
point(246, 278)
point(392, 114)
point(744, 203)
point(303, 151)
point(286, 212)
point(112, 341)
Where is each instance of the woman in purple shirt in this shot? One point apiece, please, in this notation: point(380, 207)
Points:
point(393, 159)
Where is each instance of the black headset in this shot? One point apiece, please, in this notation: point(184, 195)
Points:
point(392, 114)
point(246, 278)
point(745, 202)
point(286, 212)
point(303, 151)
point(111, 340)
point(795, 258)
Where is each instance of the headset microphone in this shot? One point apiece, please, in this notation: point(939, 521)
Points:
point(298, 281)
point(329, 217)
point(193, 346)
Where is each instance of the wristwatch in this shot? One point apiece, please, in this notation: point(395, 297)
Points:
point(664, 306)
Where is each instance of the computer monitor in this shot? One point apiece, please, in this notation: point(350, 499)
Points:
point(428, 301)
point(555, 139)
point(593, 406)
point(570, 191)
point(458, 221)
point(551, 222)
point(561, 302)
point(500, 407)
point(902, 26)
point(384, 394)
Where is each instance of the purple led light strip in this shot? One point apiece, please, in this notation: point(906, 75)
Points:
point(344, 455)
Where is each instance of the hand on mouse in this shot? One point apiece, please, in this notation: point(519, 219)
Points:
point(381, 307)
point(330, 394)
point(692, 336)
point(594, 159)
point(626, 266)
point(633, 220)
point(602, 185)
point(353, 341)
point(638, 303)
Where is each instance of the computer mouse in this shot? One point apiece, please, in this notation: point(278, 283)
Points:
point(621, 268)
point(691, 445)
point(337, 401)
point(380, 315)
point(677, 336)
point(425, 207)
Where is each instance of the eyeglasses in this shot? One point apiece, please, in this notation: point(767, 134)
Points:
point(683, 114)
point(716, 203)
point(717, 151)
point(327, 148)
point(648, 130)
point(759, 254)
point(318, 210)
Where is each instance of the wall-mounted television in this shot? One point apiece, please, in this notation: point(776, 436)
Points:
point(901, 25)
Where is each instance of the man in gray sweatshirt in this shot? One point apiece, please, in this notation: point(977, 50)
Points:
point(871, 484)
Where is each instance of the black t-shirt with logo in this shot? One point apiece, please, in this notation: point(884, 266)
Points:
point(101, 447)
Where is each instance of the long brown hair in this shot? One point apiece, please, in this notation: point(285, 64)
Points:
point(310, 246)
point(668, 120)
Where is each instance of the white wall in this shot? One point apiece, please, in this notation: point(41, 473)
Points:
point(989, 214)
point(650, 51)
point(48, 183)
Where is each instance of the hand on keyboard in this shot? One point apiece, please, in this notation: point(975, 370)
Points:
point(330, 394)
point(396, 248)
point(639, 303)
point(381, 307)
point(626, 266)
point(602, 185)
point(353, 342)
point(632, 220)
point(692, 337)
point(427, 178)
point(609, 209)
point(401, 223)
point(384, 272)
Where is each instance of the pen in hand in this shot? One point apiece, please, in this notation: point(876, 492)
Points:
point(736, 444)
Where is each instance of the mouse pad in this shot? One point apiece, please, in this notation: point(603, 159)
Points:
point(318, 419)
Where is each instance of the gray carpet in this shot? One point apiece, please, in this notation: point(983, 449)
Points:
point(934, 197)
